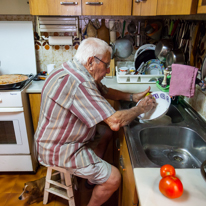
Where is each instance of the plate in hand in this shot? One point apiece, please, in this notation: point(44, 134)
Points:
point(163, 102)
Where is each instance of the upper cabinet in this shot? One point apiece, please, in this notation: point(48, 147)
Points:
point(55, 7)
point(176, 7)
point(144, 8)
point(8, 7)
point(107, 7)
point(201, 7)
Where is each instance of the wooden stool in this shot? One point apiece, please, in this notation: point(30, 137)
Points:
point(63, 188)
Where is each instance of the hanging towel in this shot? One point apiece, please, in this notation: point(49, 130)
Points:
point(183, 80)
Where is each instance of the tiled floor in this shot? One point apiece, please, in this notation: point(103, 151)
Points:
point(11, 186)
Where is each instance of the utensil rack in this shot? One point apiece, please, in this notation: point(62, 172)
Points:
point(132, 79)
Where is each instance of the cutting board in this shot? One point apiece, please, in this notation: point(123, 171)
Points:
point(103, 32)
point(17, 52)
point(147, 184)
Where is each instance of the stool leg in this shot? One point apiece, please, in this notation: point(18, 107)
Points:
point(71, 202)
point(47, 185)
point(70, 189)
point(62, 177)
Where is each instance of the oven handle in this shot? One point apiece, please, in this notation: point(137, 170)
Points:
point(11, 109)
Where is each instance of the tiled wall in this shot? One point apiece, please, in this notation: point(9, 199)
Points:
point(46, 54)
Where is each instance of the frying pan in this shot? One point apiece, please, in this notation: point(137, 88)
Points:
point(144, 57)
point(15, 85)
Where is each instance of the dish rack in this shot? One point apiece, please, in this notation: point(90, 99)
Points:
point(131, 79)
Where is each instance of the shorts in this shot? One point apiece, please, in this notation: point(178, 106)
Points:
point(97, 173)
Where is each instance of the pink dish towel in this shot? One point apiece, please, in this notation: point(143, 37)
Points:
point(183, 80)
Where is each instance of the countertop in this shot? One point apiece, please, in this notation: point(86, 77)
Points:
point(36, 86)
point(147, 184)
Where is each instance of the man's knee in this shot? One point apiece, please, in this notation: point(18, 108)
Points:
point(114, 179)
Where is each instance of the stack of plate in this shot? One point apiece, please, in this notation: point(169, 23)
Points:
point(144, 54)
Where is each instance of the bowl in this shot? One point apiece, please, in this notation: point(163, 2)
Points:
point(163, 102)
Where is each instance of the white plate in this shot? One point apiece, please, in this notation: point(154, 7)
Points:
point(163, 101)
point(144, 48)
point(154, 67)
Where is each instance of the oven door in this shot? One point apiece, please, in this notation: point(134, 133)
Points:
point(13, 133)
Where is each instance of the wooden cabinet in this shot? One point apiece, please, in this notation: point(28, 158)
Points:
point(35, 103)
point(14, 7)
point(144, 8)
point(55, 7)
point(128, 194)
point(106, 7)
point(201, 9)
point(127, 191)
point(176, 7)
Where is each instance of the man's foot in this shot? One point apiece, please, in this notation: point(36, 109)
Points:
point(89, 185)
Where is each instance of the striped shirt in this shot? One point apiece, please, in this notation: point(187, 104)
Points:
point(71, 107)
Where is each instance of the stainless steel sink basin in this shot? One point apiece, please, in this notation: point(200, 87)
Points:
point(177, 146)
point(180, 142)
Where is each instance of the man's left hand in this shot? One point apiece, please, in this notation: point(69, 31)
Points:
point(138, 96)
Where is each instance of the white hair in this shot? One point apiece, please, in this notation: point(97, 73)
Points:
point(91, 47)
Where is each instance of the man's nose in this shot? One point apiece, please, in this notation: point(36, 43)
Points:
point(108, 70)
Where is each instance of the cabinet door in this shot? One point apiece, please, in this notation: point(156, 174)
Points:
point(201, 7)
point(176, 7)
point(14, 7)
point(129, 193)
point(55, 7)
point(106, 7)
point(144, 8)
point(35, 103)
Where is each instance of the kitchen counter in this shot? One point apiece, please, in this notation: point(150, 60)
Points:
point(147, 184)
point(147, 179)
point(36, 86)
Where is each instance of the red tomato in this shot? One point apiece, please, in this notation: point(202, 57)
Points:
point(171, 187)
point(166, 170)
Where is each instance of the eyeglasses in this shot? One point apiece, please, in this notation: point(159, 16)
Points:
point(107, 64)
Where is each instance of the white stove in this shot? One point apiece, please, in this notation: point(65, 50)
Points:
point(17, 148)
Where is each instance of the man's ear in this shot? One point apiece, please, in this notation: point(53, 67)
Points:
point(90, 62)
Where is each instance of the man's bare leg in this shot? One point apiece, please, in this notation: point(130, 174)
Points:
point(101, 193)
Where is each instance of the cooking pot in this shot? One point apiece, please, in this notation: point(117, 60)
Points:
point(122, 48)
point(176, 56)
point(16, 85)
point(162, 48)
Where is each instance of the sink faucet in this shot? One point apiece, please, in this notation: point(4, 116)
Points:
point(167, 71)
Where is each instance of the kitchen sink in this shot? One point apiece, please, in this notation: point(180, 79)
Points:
point(180, 142)
point(178, 146)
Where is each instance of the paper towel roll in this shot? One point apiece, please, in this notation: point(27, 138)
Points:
point(60, 40)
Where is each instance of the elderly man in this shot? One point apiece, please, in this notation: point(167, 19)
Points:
point(73, 103)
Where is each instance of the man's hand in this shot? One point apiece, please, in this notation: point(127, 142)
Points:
point(141, 95)
point(124, 117)
point(147, 103)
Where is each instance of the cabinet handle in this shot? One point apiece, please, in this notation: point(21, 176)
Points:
point(94, 3)
point(68, 3)
point(138, 1)
point(118, 144)
point(121, 163)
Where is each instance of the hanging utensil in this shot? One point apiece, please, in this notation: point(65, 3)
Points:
point(103, 32)
point(124, 23)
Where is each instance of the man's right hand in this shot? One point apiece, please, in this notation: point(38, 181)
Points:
point(124, 117)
